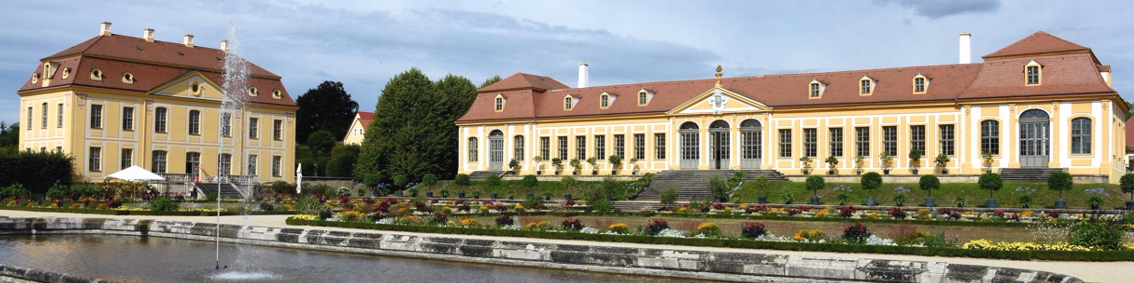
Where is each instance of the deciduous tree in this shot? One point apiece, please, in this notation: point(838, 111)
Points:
point(326, 107)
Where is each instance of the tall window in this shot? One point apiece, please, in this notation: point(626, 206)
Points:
point(159, 162)
point(95, 159)
point(254, 128)
point(620, 146)
point(1033, 75)
point(890, 140)
point(194, 122)
point(600, 147)
point(1081, 136)
point(862, 141)
point(518, 144)
point(581, 147)
point(836, 142)
point(865, 86)
point(562, 148)
point(605, 101)
point(785, 143)
point(990, 137)
point(499, 103)
point(640, 146)
point(814, 89)
point(567, 103)
point(277, 130)
point(252, 165)
point(545, 147)
point(193, 163)
point(810, 143)
point(127, 118)
point(276, 164)
point(947, 140)
point(659, 146)
point(44, 122)
point(472, 150)
point(160, 115)
point(642, 98)
point(917, 138)
point(224, 165)
point(30, 114)
point(96, 116)
point(59, 116)
point(919, 84)
point(226, 124)
point(127, 158)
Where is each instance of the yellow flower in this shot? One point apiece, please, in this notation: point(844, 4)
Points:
point(620, 228)
point(305, 217)
point(469, 222)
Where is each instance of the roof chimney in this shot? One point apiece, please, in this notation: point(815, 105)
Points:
point(224, 45)
point(966, 48)
point(105, 31)
point(148, 34)
point(584, 77)
point(189, 40)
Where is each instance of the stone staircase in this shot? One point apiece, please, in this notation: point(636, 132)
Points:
point(1037, 175)
point(227, 190)
point(481, 175)
point(694, 184)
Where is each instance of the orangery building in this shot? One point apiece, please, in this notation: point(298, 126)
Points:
point(1041, 102)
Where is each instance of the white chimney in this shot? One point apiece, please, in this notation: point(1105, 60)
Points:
point(105, 31)
point(224, 45)
point(584, 77)
point(189, 40)
point(148, 34)
point(966, 48)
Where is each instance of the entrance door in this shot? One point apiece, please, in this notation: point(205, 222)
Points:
point(752, 144)
point(496, 150)
point(690, 146)
point(1035, 138)
point(719, 145)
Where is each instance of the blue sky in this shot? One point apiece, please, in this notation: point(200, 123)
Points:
point(364, 43)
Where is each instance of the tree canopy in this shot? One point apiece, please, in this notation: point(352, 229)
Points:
point(326, 107)
point(490, 81)
point(412, 133)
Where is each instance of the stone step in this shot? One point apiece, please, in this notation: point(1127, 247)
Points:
point(1028, 174)
point(227, 190)
point(482, 175)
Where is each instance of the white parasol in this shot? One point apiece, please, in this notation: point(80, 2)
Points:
point(299, 179)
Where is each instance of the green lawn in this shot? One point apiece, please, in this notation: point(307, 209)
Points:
point(946, 196)
point(510, 188)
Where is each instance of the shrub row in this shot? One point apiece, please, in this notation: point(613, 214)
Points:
point(738, 243)
point(138, 212)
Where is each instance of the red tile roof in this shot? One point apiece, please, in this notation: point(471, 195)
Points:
point(152, 65)
point(1037, 43)
point(1062, 74)
point(364, 118)
point(525, 81)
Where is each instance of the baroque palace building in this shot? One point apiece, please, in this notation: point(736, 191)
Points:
point(114, 101)
point(1042, 102)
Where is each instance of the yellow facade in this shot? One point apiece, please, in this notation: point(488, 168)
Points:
point(356, 133)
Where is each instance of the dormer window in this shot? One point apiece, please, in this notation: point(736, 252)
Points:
point(127, 78)
point(47, 73)
point(1033, 73)
point(815, 89)
point(643, 97)
point(252, 91)
point(866, 86)
point(604, 100)
point(35, 78)
point(920, 83)
point(568, 102)
point(277, 94)
point(96, 75)
point(195, 89)
point(499, 103)
point(66, 72)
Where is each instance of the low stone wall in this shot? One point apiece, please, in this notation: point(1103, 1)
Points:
point(19, 274)
point(948, 178)
point(737, 265)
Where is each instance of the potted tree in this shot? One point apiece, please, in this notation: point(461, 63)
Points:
point(814, 184)
point(987, 157)
point(915, 160)
point(991, 182)
point(593, 161)
point(859, 162)
point(556, 164)
point(538, 167)
point(719, 188)
point(514, 166)
point(831, 163)
point(762, 184)
point(929, 183)
point(806, 165)
point(942, 160)
point(1060, 181)
point(634, 166)
point(1127, 185)
point(615, 163)
point(575, 164)
point(870, 182)
point(887, 162)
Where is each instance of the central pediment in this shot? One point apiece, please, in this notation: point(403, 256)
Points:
point(717, 101)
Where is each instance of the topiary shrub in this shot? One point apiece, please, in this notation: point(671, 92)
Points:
point(492, 181)
point(163, 204)
point(1127, 185)
point(929, 183)
point(814, 184)
point(1060, 181)
point(568, 182)
point(429, 180)
point(990, 182)
point(461, 180)
point(530, 181)
point(871, 181)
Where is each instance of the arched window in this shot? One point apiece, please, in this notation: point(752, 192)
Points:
point(192, 163)
point(499, 103)
point(194, 122)
point(750, 123)
point(604, 100)
point(689, 126)
point(159, 162)
point(1033, 73)
point(159, 119)
point(567, 103)
point(1081, 136)
point(814, 89)
point(643, 97)
point(1034, 114)
point(866, 86)
point(472, 150)
point(990, 137)
point(518, 143)
point(920, 84)
point(719, 124)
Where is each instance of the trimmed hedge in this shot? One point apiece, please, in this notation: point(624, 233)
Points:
point(139, 212)
point(36, 171)
point(737, 243)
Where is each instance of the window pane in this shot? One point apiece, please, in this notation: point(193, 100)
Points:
point(863, 141)
point(659, 146)
point(836, 142)
point(785, 143)
point(810, 145)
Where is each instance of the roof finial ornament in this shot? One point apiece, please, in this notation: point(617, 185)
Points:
point(719, 75)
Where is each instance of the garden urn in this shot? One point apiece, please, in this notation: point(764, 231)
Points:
point(930, 203)
point(991, 203)
point(871, 202)
point(1061, 204)
point(814, 200)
